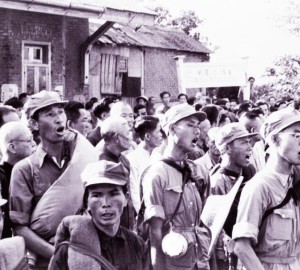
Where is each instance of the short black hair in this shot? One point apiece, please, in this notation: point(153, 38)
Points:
point(103, 107)
point(72, 110)
point(244, 107)
point(191, 100)
point(94, 99)
point(220, 102)
point(260, 103)
point(4, 110)
point(14, 102)
point(198, 107)
point(254, 113)
point(212, 113)
point(181, 95)
point(251, 78)
point(89, 105)
point(23, 95)
point(145, 124)
point(138, 107)
point(164, 93)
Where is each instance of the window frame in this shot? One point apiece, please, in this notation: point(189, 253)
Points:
point(36, 63)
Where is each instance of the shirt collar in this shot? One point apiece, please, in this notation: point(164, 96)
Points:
point(283, 179)
point(119, 235)
point(207, 161)
point(110, 154)
point(41, 154)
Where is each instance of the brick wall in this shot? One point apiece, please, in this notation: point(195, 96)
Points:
point(65, 35)
point(160, 70)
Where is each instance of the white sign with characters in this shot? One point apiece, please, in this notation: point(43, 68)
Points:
point(204, 74)
point(8, 91)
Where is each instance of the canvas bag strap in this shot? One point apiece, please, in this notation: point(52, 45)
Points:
point(99, 258)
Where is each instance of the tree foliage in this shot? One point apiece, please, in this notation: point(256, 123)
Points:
point(282, 80)
point(188, 21)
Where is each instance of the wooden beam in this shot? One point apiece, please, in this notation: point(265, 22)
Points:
point(87, 47)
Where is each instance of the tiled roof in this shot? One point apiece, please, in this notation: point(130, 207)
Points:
point(147, 36)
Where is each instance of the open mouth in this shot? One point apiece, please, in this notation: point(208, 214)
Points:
point(194, 141)
point(107, 215)
point(60, 130)
point(248, 157)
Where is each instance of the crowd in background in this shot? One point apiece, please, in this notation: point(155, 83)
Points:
point(104, 183)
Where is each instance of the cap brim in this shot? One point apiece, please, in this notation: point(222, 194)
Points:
point(246, 136)
point(2, 202)
point(34, 110)
point(289, 122)
point(104, 180)
point(200, 115)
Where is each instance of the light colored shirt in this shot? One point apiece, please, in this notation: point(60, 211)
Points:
point(205, 165)
point(139, 160)
point(258, 157)
point(162, 186)
point(276, 242)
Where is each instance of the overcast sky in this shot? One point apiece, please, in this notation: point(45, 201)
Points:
point(242, 28)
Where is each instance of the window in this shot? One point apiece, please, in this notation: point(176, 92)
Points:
point(36, 67)
point(111, 73)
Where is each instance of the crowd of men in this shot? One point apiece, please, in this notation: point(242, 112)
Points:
point(107, 185)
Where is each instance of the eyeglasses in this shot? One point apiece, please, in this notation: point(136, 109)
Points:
point(26, 141)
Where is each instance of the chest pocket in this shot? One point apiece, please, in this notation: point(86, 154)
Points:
point(171, 199)
point(280, 224)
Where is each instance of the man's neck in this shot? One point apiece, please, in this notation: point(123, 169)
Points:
point(278, 163)
point(53, 150)
point(214, 158)
point(231, 166)
point(113, 149)
point(108, 230)
point(175, 152)
point(147, 147)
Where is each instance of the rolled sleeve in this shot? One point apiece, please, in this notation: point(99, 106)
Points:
point(154, 211)
point(245, 230)
point(253, 203)
point(153, 191)
point(21, 193)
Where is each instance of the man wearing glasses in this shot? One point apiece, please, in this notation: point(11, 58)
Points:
point(267, 228)
point(46, 186)
point(16, 143)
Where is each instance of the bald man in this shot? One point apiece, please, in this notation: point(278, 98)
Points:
point(117, 137)
point(124, 110)
point(16, 143)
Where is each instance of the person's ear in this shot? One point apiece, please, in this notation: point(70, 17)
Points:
point(147, 136)
point(227, 149)
point(126, 198)
point(11, 148)
point(275, 139)
point(172, 129)
point(33, 124)
point(69, 124)
point(115, 137)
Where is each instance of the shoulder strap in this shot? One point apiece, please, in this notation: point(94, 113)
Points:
point(286, 199)
point(173, 164)
point(99, 258)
